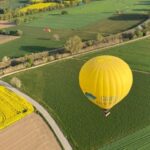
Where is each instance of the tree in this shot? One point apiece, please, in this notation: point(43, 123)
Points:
point(74, 44)
point(19, 32)
point(138, 32)
point(5, 59)
point(99, 37)
point(16, 82)
point(18, 21)
point(56, 37)
point(64, 12)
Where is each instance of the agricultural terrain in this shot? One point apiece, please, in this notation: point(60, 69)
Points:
point(12, 3)
point(28, 133)
point(84, 20)
point(56, 87)
point(12, 107)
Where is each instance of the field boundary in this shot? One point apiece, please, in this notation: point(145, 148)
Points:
point(61, 137)
point(75, 55)
point(140, 71)
point(138, 140)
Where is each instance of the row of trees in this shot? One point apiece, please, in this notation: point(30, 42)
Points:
point(75, 44)
point(9, 14)
point(11, 32)
point(141, 30)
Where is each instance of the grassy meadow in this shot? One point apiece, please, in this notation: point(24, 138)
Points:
point(12, 3)
point(56, 87)
point(85, 21)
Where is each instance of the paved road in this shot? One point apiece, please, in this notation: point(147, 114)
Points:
point(61, 137)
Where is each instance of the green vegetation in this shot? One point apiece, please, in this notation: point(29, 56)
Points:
point(85, 21)
point(12, 3)
point(56, 87)
point(138, 140)
point(94, 12)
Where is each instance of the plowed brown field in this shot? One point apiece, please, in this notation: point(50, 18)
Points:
point(30, 133)
point(6, 24)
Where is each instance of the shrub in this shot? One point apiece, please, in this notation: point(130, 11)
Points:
point(56, 37)
point(19, 32)
point(138, 32)
point(99, 37)
point(18, 21)
point(3, 31)
point(90, 42)
point(129, 35)
point(12, 32)
point(30, 62)
point(64, 12)
point(5, 59)
point(16, 82)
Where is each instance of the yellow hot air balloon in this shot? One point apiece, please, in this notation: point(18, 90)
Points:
point(105, 80)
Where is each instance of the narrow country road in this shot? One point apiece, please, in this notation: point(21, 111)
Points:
point(62, 139)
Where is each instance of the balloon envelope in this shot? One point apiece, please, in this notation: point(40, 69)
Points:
point(105, 80)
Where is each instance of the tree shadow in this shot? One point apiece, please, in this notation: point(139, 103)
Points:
point(143, 3)
point(129, 17)
point(146, 10)
point(35, 49)
point(23, 1)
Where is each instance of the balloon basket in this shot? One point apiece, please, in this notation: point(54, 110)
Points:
point(107, 112)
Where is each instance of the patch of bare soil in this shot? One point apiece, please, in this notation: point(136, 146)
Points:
point(7, 38)
point(30, 133)
point(6, 24)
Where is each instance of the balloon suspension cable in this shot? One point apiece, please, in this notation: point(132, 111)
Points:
point(106, 112)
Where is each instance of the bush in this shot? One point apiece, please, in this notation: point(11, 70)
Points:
point(138, 32)
point(90, 42)
point(30, 62)
point(3, 31)
point(12, 32)
point(18, 21)
point(129, 36)
point(56, 37)
point(64, 12)
point(19, 32)
point(5, 59)
point(145, 32)
point(99, 37)
point(16, 82)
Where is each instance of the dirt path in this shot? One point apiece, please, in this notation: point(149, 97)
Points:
point(29, 133)
point(61, 137)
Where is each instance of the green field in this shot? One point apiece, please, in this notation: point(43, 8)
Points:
point(56, 87)
point(11, 3)
point(138, 140)
point(85, 21)
point(92, 13)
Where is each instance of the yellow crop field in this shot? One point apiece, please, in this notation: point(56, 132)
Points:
point(38, 6)
point(12, 107)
